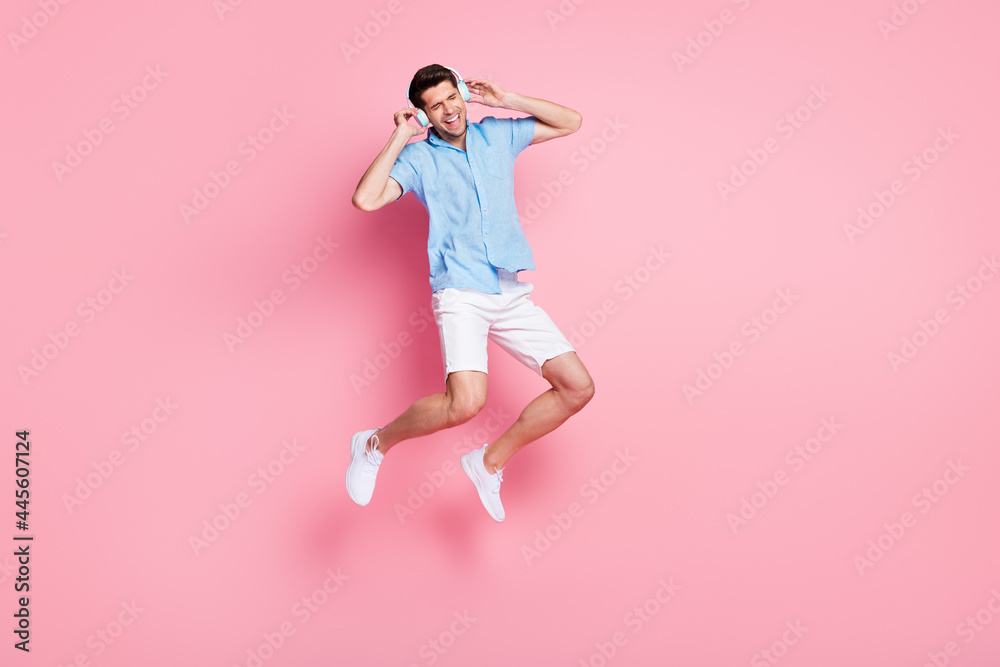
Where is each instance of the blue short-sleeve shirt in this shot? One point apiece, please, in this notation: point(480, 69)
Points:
point(469, 196)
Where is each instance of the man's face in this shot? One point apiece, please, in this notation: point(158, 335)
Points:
point(443, 103)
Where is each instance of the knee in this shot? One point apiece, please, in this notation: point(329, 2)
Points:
point(578, 395)
point(463, 408)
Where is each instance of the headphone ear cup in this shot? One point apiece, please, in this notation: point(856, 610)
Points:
point(422, 118)
point(464, 90)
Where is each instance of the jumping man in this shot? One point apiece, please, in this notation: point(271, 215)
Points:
point(462, 173)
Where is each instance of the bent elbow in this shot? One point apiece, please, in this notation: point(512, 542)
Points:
point(361, 204)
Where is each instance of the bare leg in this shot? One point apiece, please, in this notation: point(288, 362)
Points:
point(572, 388)
point(464, 397)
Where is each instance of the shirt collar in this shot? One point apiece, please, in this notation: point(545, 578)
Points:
point(435, 140)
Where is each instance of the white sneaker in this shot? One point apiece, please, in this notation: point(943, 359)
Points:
point(363, 467)
point(487, 485)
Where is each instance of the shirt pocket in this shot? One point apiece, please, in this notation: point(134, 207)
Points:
point(497, 162)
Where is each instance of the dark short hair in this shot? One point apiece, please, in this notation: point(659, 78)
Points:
point(428, 77)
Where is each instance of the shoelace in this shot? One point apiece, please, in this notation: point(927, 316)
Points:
point(499, 478)
point(373, 457)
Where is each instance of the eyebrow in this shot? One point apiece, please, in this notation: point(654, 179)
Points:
point(438, 103)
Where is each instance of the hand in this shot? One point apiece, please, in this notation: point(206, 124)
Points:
point(485, 92)
point(403, 115)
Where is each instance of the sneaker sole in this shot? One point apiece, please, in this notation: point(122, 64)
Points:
point(479, 489)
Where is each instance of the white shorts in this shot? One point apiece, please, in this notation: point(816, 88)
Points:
point(467, 317)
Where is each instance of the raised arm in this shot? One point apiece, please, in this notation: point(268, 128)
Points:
point(376, 189)
point(551, 120)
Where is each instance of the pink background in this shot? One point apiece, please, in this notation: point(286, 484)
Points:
point(665, 524)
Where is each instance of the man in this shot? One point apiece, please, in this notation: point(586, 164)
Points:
point(463, 175)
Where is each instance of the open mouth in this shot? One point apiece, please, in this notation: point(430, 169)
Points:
point(452, 121)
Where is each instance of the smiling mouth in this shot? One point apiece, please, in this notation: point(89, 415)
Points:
point(453, 121)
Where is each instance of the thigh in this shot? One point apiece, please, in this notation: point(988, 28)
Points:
point(463, 321)
point(525, 331)
point(467, 386)
point(566, 372)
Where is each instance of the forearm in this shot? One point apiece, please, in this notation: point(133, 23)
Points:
point(551, 113)
point(373, 183)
